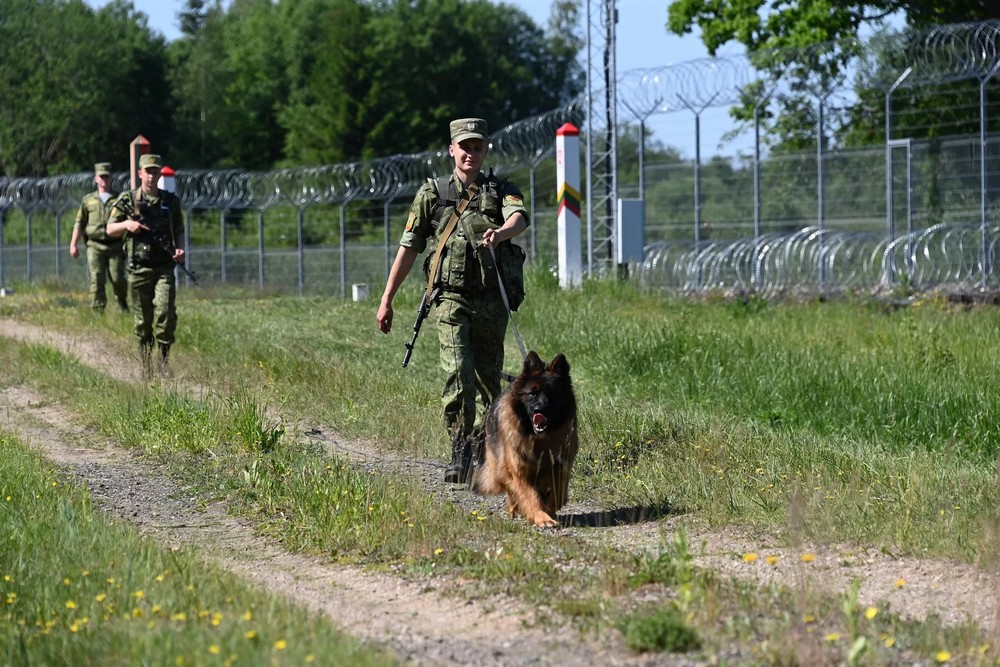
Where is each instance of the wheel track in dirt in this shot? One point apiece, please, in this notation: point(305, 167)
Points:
point(416, 621)
point(426, 626)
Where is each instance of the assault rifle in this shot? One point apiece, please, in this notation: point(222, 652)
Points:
point(163, 240)
point(422, 313)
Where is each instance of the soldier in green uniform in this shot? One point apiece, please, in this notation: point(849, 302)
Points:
point(104, 254)
point(471, 315)
point(153, 225)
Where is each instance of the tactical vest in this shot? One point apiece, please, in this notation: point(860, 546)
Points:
point(466, 267)
point(97, 219)
point(155, 246)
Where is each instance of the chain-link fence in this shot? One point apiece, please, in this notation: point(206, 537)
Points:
point(915, 212)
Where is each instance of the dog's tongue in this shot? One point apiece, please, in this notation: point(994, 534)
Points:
point(538, 421)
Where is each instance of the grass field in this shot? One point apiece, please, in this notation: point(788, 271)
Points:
point(824, 422)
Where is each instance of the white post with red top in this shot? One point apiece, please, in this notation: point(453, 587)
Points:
point(167, 181)
point(568, 183)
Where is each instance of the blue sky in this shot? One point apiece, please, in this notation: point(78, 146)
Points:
point(642, 42)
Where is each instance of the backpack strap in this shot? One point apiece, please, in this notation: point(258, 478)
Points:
point(445, 234)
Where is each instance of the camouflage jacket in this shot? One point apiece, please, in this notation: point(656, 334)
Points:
point(465, 263)
point(162, 214)
point(92, 217)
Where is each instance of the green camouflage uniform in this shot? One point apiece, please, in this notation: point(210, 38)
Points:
point(105, 258)
point(150, 266)
point(472, 318)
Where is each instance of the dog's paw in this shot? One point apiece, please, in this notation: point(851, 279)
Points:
point(543, 520)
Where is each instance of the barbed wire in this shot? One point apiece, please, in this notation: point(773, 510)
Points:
point(940, 54)
point(771, 263)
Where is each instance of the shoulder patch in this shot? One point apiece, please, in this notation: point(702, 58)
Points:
point(513, 200)
point(409, 222)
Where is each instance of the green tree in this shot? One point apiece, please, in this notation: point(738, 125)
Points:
point(393, 73)
point(811, 45)
point(330, 77)
point(198, 78)
point(77, 85)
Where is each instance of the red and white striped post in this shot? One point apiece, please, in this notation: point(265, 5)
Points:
point(139, 146)
point(568, 183)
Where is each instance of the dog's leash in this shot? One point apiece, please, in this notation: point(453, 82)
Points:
point(510, 313)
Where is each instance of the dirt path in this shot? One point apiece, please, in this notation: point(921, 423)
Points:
point(417, 622)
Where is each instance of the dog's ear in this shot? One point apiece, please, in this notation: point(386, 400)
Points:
point(559, 365)
point(533, 363)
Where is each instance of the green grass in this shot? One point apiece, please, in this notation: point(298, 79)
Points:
point(828, 422)
point(77, 590)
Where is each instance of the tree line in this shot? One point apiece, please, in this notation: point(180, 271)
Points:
point(260, 84)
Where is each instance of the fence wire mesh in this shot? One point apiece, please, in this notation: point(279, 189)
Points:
point(916, 209)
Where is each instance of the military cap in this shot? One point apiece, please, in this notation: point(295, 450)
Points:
point(102, 169)
point(468, 128)
point(150, 160)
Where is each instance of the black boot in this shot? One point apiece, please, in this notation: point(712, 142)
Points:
point(478, 447)
point(458, 470)
point(164, 368)
point(146, 359)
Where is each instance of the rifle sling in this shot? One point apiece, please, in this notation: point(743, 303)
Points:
point(449, 228)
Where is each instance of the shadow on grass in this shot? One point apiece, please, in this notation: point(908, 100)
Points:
point(621, 516)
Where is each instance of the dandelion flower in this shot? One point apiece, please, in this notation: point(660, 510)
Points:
point(749, 557)
point(251, 634)
point(900, 583)
point(772, 560)
point(247, 615)
point(832, 637)
point(809, 618)
point(870, 613)
point(70, 604)
point(438, 551)
point(213, 649)
point(138, 595)
point(889, 642)
point(280, 645)
point(808, 558)
point(179, 616)
point(942, 656)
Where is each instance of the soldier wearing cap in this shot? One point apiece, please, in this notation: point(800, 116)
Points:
point(472, 317)
point(153, 225)
point(104, 254)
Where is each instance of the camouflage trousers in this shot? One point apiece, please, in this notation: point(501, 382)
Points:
point(106, 263)
point(154, 292)
point(471, 332)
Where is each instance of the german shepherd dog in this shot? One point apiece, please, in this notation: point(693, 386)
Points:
point(531, 442)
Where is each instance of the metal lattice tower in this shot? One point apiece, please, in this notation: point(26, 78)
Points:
point(599, 135)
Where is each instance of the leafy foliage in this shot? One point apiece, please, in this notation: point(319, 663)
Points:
point(256, 83)
point(77, 85)
point(812, 45)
